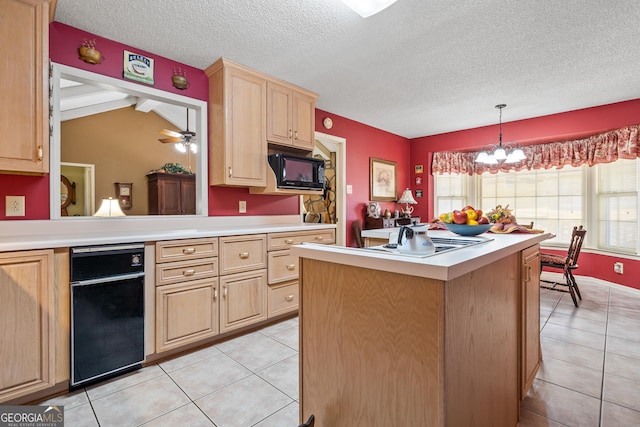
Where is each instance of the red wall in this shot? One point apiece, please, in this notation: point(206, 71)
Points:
point(557, 127)
point(364, 142)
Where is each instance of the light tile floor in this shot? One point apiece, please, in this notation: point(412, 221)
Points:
point(590, 375)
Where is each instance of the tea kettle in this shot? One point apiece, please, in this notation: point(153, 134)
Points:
point(413, 240)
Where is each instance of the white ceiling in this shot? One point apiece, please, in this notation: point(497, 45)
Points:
point(420, 67)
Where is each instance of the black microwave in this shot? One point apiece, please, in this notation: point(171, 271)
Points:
point(296, 172)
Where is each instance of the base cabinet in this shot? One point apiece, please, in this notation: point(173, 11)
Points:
point(27, 359)
point(186, 313)
point(530, 349)
point(243, 300)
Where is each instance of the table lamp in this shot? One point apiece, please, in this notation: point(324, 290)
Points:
point(407, 199)
point(109, 207)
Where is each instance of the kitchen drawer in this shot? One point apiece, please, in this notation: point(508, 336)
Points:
point(185, 249)
point(283, 298)
point(243, 253)
point(180, 271)
point(282, 266)
point(286, 239)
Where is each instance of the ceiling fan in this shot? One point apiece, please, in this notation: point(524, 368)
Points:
point(184, 139)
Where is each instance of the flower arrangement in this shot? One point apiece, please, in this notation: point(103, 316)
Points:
point(173, 168)
point(501, 215)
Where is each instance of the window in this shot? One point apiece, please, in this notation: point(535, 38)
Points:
point(603, 198)
point(617, 205)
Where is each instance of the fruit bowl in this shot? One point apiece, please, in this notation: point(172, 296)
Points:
point(468, 230)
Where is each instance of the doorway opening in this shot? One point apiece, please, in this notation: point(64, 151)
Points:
point(330, 207)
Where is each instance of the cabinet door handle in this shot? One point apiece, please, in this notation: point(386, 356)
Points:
point(230, 174)
point(288, 241)
point(295, 134)
point(244, 255)
point(289, 298)
point(215, 294)
point(224, 292)
point(289, 133)
point(40, 152)
point(189, 272)
point(291, 267)
point(527, 273)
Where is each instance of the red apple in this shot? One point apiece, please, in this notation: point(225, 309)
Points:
point(460, 217)
point(483, 220)
point(466, 208)
point(479, 212)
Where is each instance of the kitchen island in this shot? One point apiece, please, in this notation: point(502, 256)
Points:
point(446, 340)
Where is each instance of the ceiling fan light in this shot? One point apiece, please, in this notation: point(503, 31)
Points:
point(193, 148)
point(181, 147)
point(366, 8)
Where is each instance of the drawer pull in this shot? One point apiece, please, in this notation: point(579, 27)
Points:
point(189, 272)
point(319, 238)
point(188, 251)
point(244, 255)
point(291, 267)
point(288, 241)
point(289, 298)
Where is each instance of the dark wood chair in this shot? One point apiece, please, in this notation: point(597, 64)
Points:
point(310, 422)
point(567, 264)
point(356, 227)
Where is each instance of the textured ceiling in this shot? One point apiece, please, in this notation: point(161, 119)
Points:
point(420, 67)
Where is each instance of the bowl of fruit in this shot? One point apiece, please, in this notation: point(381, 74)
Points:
point(466, 222)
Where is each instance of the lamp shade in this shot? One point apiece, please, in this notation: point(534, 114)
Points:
point(407, 197)
point(109, 207)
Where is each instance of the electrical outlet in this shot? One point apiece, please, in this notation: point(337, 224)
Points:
point(14, 205)
point(349, 189)
point(618, 267)
point(242, 206)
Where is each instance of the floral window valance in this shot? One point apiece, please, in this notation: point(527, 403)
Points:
point(602, 148)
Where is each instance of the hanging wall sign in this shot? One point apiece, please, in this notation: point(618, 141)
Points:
point(138, 67)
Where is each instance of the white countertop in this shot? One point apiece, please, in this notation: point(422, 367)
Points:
point(67, 232)
point(443, 266)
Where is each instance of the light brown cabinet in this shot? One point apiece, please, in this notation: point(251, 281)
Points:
point(172, 194)
point(530, 350)
point(24, 111)
point(186, 292)
point(290, 116)
point(284, 271)
point(237, 125)
point(27, 323)
point(243, 281)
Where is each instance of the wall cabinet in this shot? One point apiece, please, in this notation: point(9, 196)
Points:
point(186, 292)
point(530, 350)
point(172, 194)
point(24, 111)
point(290, 116)
point(27, 323)
point(237, 125)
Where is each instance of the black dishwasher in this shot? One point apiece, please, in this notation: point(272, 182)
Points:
point(107, 311)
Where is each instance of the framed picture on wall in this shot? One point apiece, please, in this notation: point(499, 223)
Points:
point(383, 178)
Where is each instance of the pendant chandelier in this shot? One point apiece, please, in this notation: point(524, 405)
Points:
point(502, 153)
